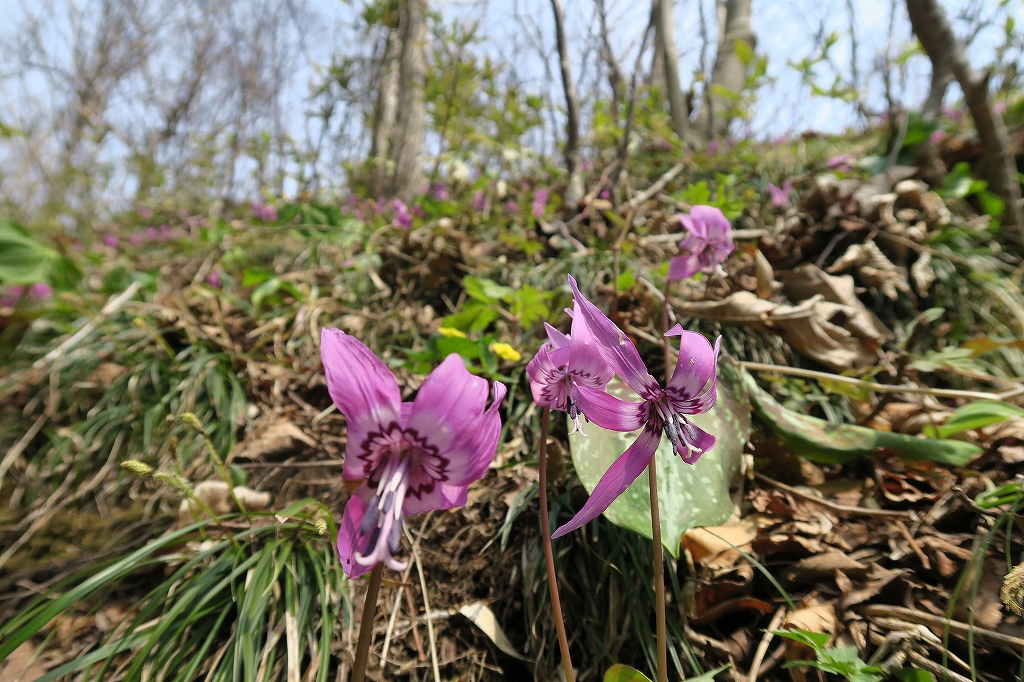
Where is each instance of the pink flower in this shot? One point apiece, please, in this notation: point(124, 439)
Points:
point(565, 361)
point(479, 202)
point(144, 213)
point(137, 238)
point(841, 162)
point(708, 244)
point(605, 194)
point(937, 137)
point(439, 192)
point(540, 202)
point(780, 197)
point(692, 390)
point(402, 216)
point(35, 292)
point(955, 113)
point(213, 279)
point(713, 147)
point(999, 108)
point(264, 213)
point(152, 234)
point(511, 206)
point(111, 240)
point(411, 457)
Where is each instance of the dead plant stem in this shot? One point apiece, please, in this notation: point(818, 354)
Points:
point(366, 624)
point(549, 556)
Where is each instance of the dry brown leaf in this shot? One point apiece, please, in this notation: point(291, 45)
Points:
point(706, 543)
point(825, 565)
point(276, 439)
point(874, 269)
point(809, 280)
point(215, 495)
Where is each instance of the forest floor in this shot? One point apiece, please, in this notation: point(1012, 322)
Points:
point(855, 279)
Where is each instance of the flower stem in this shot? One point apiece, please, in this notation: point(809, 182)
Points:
point(366, 624)
point(549, 556)
point(659, 573)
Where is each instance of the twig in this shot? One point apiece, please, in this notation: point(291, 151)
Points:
point(913, 545)
point(762, 647)
point(842, 508)
point(1008, 643)
point(874, 386)
point(940, 672)
point(314, 463)
point(398, 598)
point(426, 609)
point(366, 624)
point(112, 306)
point(19, 447)
point(654, 189)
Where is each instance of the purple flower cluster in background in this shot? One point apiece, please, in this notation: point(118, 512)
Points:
point(17, 292)
point(402, 216)
point(540, 203)
point(843, 162)
point(780, 196)
point(164, 233)
point(264, 212)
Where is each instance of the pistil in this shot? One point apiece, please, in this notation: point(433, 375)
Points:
point(384, 518)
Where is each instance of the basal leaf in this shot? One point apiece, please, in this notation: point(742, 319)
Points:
point(623, 673)
point(974, 416)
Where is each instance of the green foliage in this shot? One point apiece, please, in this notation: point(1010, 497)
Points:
point(836, 660)
point(960, 183)
point(478, 355)
point(974, 415)
point(724, 195)
point(623, 673)
point(240, 600)
point(23, 260)
point(525, 306)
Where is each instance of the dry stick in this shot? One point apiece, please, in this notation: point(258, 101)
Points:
point(426, 611)
point(398, 600)
point(549, 556)
point(366, 624)
point(766, 641)
point(20, 446)
point(657, 186)
point(659, 572)
point(843, 508)
point(917, 390)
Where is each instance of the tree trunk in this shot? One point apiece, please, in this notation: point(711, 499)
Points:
point(656, 76)
point(574, 192)
point(729, 76)
point(664, 28)
point(410, 125)
point(615, 78)
point(933, 30)
point(385, 110)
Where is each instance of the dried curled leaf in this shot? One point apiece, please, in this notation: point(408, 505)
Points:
point(922, 274)
point(874, 270)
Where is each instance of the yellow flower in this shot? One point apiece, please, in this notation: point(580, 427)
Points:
point(449, 332)
point(506, 352)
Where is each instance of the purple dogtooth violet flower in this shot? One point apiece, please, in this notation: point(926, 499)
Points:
point(691, 390)
point(402, 216)
point(780, 196)
point(709, 243)
point(563, 362)
point(408, 457)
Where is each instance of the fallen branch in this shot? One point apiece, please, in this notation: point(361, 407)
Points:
point(832, 506)
point(654, 189)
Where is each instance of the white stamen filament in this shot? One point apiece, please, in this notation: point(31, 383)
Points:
point(390, 497)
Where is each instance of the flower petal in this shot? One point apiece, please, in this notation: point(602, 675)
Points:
point(694, 227)
point(448, 413)
point(619, 476)
point(684, 267)
point(546, 379)
point(365, 391)
point(696, 363)
point(615, 347)
point(718, 229)
point(586, 363)
point(704, 442)
point(609, 412)
point(558, 339)
point(442, 497)
point(350, 539)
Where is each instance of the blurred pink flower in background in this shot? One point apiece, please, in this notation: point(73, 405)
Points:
point(511, 206)
point(841, 162)
point(955, 113)
point(780, 196)
point(213, 279)
point(439, 192)
point(937, 137)
point(17, 292)
point(144, 213)
point(111, 240)
point(402, 216)
point(540, 202)
point(605, 194)
point(479, 201)
point(264, 212)
point(713, 147)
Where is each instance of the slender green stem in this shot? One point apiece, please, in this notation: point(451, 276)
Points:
point(659, 574)
point(366, 624)
point(549, 555)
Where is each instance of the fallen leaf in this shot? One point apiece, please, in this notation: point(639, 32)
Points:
point(481, 616)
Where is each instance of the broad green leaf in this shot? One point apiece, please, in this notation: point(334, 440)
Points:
point(974, 416)
point(914, 675)
point(709, 676)
point(820, 441)
point(485, 290)
point(814, 640)
point(469, 350)
point(268, 288)
point(688, 495)
point(625, 281)
point(744, 52)
point(623, 673)
point(23, 260)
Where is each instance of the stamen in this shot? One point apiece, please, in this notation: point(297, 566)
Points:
point(575, 414)
point(370, 517)
point(384, 513)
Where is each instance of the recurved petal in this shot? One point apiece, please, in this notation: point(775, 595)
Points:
point(703, 442)
point(546, 379)
point(586, 363)
point(615, 347)
point(715, 223)
point(696, 364)
point(364, 390)
point(694, 227)
point(558, 339)
point(684, 267)
point(350, 540)
point(442, 497)
point(619, 476)
point(609, 412)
